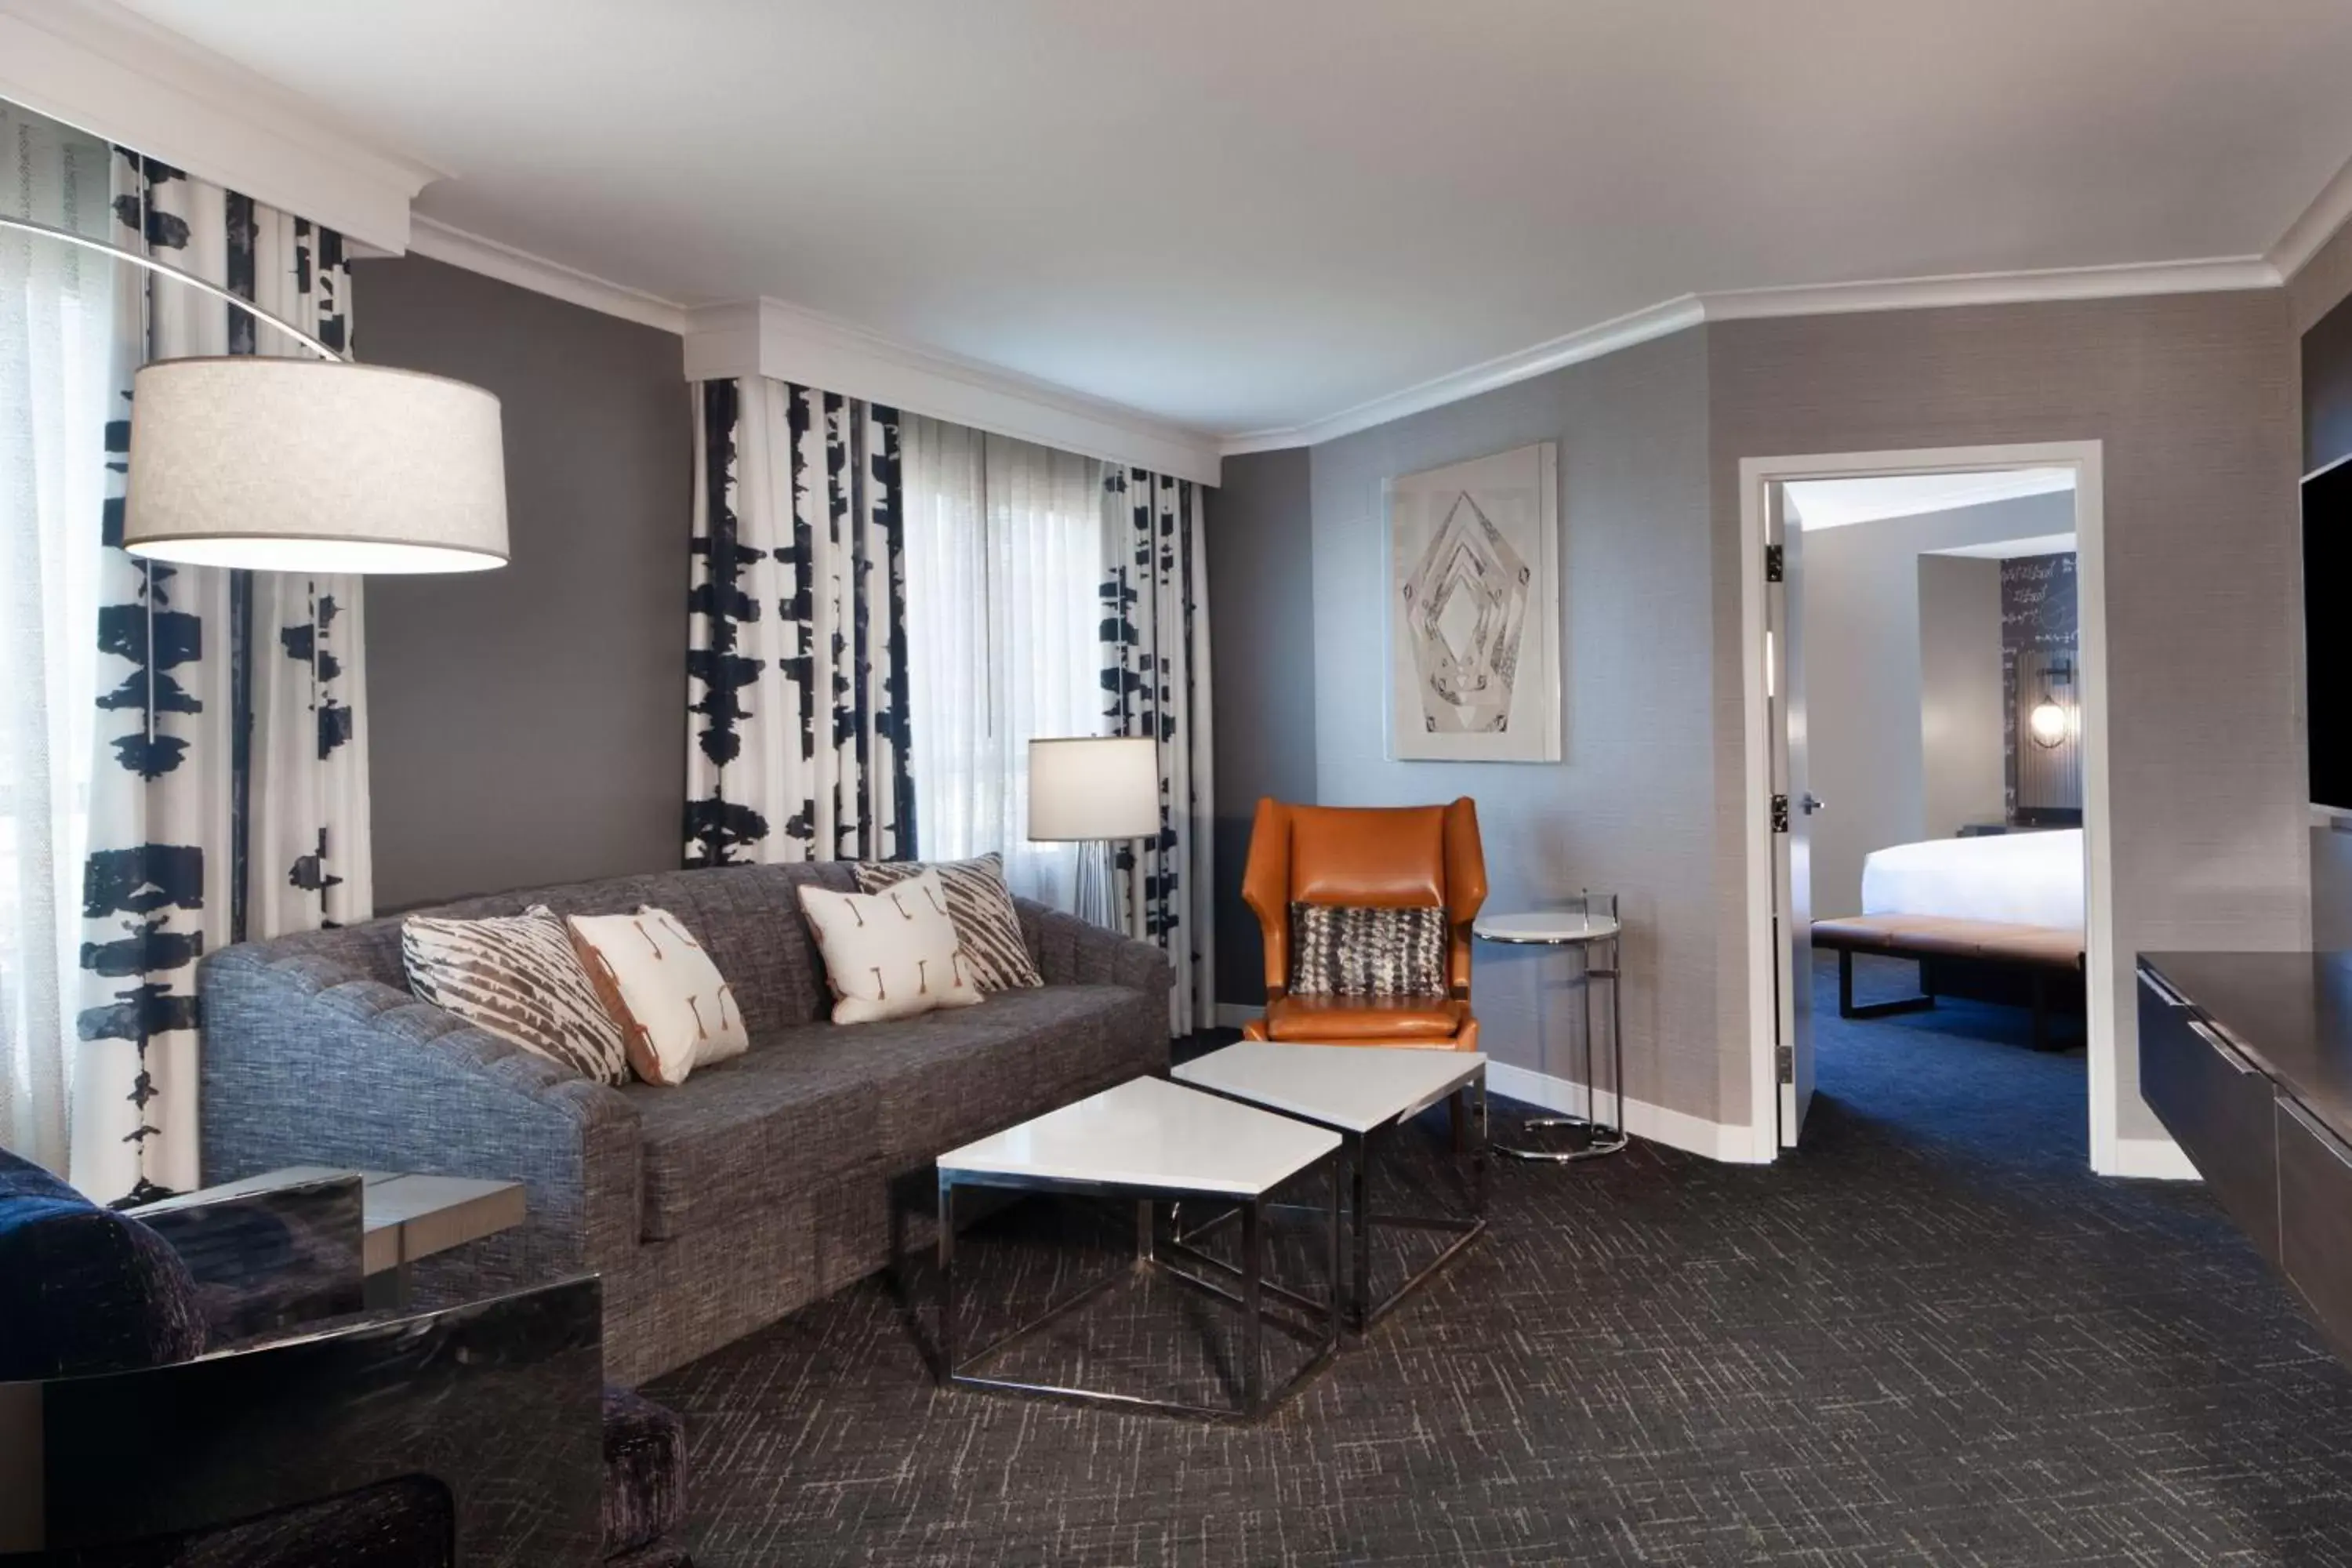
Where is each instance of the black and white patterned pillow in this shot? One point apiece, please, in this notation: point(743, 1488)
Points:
point(1343, 951)
point(981, 905)
point(518, 977)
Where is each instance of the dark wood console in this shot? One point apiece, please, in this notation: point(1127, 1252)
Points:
point(2247, 1057)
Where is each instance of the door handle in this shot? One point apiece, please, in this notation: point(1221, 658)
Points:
point(1810, 803)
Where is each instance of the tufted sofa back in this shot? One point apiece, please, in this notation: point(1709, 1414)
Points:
point(747, 917)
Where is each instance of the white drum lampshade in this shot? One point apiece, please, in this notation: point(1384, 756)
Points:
point(290, 465)
point(1091, 787)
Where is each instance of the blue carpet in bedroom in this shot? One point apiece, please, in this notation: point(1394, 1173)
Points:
point(1929, 1337)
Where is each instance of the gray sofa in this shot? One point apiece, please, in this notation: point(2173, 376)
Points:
point(712, 1208)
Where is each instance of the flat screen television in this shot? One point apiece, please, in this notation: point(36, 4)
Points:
point(2327, 633)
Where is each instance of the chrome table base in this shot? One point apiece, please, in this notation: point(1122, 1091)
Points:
point(1260, 1301)
point(1470, 1132)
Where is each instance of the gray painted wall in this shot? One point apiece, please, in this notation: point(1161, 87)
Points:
point(1865, 698)
point(1262, 625)
point(1960, 713)
point(2331, 889)
point(526, 724)
point(2194, 398)
point(1630, 806)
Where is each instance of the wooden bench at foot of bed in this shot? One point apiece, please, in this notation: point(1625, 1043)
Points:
point(1952, 953)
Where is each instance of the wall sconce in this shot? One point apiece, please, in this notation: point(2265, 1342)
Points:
point(2051, 720)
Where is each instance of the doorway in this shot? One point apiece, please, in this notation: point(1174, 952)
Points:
point(1782, 806)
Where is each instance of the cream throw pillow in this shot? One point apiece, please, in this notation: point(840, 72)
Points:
point(674, 1009)
point(890, 955)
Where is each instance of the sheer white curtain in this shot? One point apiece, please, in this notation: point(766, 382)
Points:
point(56, 326)
point(1003, 638)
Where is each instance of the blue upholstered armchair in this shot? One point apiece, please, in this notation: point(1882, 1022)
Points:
point(200, 1389)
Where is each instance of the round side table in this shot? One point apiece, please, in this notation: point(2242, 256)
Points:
point(1593, 928)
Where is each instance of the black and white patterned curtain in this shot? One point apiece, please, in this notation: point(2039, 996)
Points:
point(1156, 683)
point(796, 662)
point(199, 729)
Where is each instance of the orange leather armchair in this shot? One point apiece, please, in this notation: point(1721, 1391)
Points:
point(1375, 857)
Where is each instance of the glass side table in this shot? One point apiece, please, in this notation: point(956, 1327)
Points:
point(1589, 925)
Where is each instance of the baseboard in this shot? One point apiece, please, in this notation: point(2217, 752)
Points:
point(2153, 1159)
point(1674, 1129)
point(1234, 1014)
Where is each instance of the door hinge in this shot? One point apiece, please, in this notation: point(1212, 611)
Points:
point(1784, 1062)
point(1776, 563)
point(1779, 813)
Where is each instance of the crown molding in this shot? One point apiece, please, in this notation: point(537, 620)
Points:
point(95, 65)
point(493, 259)
point(787, 343)
point(1590, 343)
point(2316, 224)
point(2126, 282)
point(2115, 282)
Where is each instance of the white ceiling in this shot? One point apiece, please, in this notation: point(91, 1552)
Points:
point(2011, 549)
point(1841, 503)
point(1244, 216)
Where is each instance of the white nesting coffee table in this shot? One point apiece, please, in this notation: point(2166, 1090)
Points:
point(1357, 1091)
point(1155, 1143)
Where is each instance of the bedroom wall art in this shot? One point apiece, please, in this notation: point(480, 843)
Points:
point(2041, 686)
point(1473, 610)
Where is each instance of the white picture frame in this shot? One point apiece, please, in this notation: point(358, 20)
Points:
point(1473, 610)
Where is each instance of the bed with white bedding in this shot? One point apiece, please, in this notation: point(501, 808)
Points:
point(1995, 919)
point(2014, 878)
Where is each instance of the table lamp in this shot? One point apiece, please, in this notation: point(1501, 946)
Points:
point(1092, 790)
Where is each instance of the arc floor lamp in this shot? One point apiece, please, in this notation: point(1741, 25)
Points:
point(293, 465)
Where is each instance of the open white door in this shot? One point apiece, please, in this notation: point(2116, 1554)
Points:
point(1793, 806)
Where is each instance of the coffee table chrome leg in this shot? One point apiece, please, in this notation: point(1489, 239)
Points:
point(946, 1283)
point(1359, 1288)
point(1339, 1285)
point(1145, 1224)
point(1252, 1317)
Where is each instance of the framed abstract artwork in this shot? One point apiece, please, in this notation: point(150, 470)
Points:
point(1473, 610)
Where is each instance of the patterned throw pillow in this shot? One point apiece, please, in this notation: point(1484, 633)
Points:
point(518, 977)
point(676, 1011)
point(996, 955)
point(1341, 950)
point(890, 955)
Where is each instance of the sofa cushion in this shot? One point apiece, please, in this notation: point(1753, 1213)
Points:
point(947, 1078)
point(84, 1289)
point(813, 1102)
point(746, 1134)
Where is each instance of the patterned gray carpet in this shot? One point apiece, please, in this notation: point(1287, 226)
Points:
point(1929, 1338)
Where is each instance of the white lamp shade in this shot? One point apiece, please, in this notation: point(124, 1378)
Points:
point(289, 465)
point(1094, 787)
